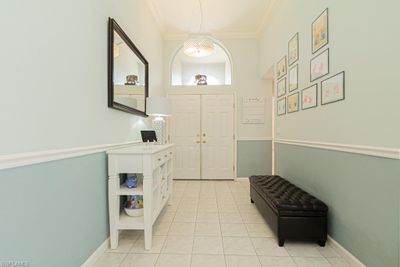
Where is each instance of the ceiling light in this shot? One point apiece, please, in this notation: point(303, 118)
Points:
point(199, 45)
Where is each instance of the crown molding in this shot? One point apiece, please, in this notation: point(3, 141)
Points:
point(267, 16)
point(157, 17)
point(217, 35)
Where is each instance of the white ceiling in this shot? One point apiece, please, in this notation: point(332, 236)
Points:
point(232, 18)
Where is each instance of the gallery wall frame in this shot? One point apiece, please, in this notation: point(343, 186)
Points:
point(333, 88)
point(293, 49)
point(293, 78)
point(281, 87)
point(281, 67)
point(293, 103)
point(320, 32)
point(309, 97)
point(281, 106)
point(319, 65)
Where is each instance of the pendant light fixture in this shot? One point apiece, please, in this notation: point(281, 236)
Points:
point(199, 45)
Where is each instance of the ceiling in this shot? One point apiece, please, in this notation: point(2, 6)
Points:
point(238, 18)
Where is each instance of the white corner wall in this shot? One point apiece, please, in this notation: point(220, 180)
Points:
point(54, 72)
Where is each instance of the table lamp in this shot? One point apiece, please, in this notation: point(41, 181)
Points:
point(158, 107)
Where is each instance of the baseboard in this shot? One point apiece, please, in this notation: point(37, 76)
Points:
point(344, 253)
point(242, 179)
point(96, 255)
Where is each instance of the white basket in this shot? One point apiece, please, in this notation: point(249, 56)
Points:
point(134, 212)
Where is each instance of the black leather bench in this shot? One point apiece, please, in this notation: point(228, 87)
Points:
point(290, 212)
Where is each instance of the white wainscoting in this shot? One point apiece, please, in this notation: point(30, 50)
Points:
point(24, 159)
point(382, 152)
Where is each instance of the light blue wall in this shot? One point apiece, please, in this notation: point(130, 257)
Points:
point(55, 213)
point(363, 195)
point(54, 72)
point(254, 157)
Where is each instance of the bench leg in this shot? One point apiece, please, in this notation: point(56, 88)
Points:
point(281, 242)
point(321, 243)
point(251, 200)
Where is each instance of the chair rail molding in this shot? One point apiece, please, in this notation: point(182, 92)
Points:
point(249, 138)
point(30, 158)
point(382, 152)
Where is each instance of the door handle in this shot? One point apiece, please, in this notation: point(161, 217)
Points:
point(204, 142)
point(197, 142)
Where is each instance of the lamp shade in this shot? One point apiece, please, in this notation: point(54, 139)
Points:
point(158, 106)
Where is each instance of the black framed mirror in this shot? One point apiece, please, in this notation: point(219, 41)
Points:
point(128, 73)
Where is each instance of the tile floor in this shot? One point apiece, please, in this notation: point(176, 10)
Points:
point(213, 224)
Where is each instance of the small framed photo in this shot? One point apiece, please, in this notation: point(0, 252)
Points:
point(319, 65)
point(319, 31)
point(333, 89)
point(281, 87)
point(293, 102)
point(309, 97)
point(293, 49)
point(281, 106)
point(281, 68)
point(294, 78)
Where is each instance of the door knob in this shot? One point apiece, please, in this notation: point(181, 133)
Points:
point(204, 142)
point(197, 142)
point(204, 134)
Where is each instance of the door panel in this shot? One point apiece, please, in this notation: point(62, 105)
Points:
point(185, 134)
point(217, 137)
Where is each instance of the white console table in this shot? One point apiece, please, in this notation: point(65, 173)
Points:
point(155, 163)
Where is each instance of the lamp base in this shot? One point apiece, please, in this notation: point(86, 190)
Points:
point(159, 128)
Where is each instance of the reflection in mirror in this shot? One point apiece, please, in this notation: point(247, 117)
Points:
point(129, 69)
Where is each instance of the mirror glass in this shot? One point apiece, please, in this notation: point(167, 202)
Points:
point(129, 70)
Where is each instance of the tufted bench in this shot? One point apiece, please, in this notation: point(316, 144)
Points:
point(291, 212)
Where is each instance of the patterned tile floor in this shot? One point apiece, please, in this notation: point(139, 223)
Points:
point(213, 224)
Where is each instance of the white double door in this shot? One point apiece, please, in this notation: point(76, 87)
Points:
point(202, 129)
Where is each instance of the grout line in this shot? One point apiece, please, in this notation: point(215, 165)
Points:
point(126, 255)
point(194, 231)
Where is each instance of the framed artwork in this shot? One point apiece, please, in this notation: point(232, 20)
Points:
point(332, 89)
point(281, 106)
point(319, 65)
point(281, 68)
point(281, 87)
point(293, 49)
point(293, 78)
point(293, 102)
point(309, 97)
point(319, 30)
